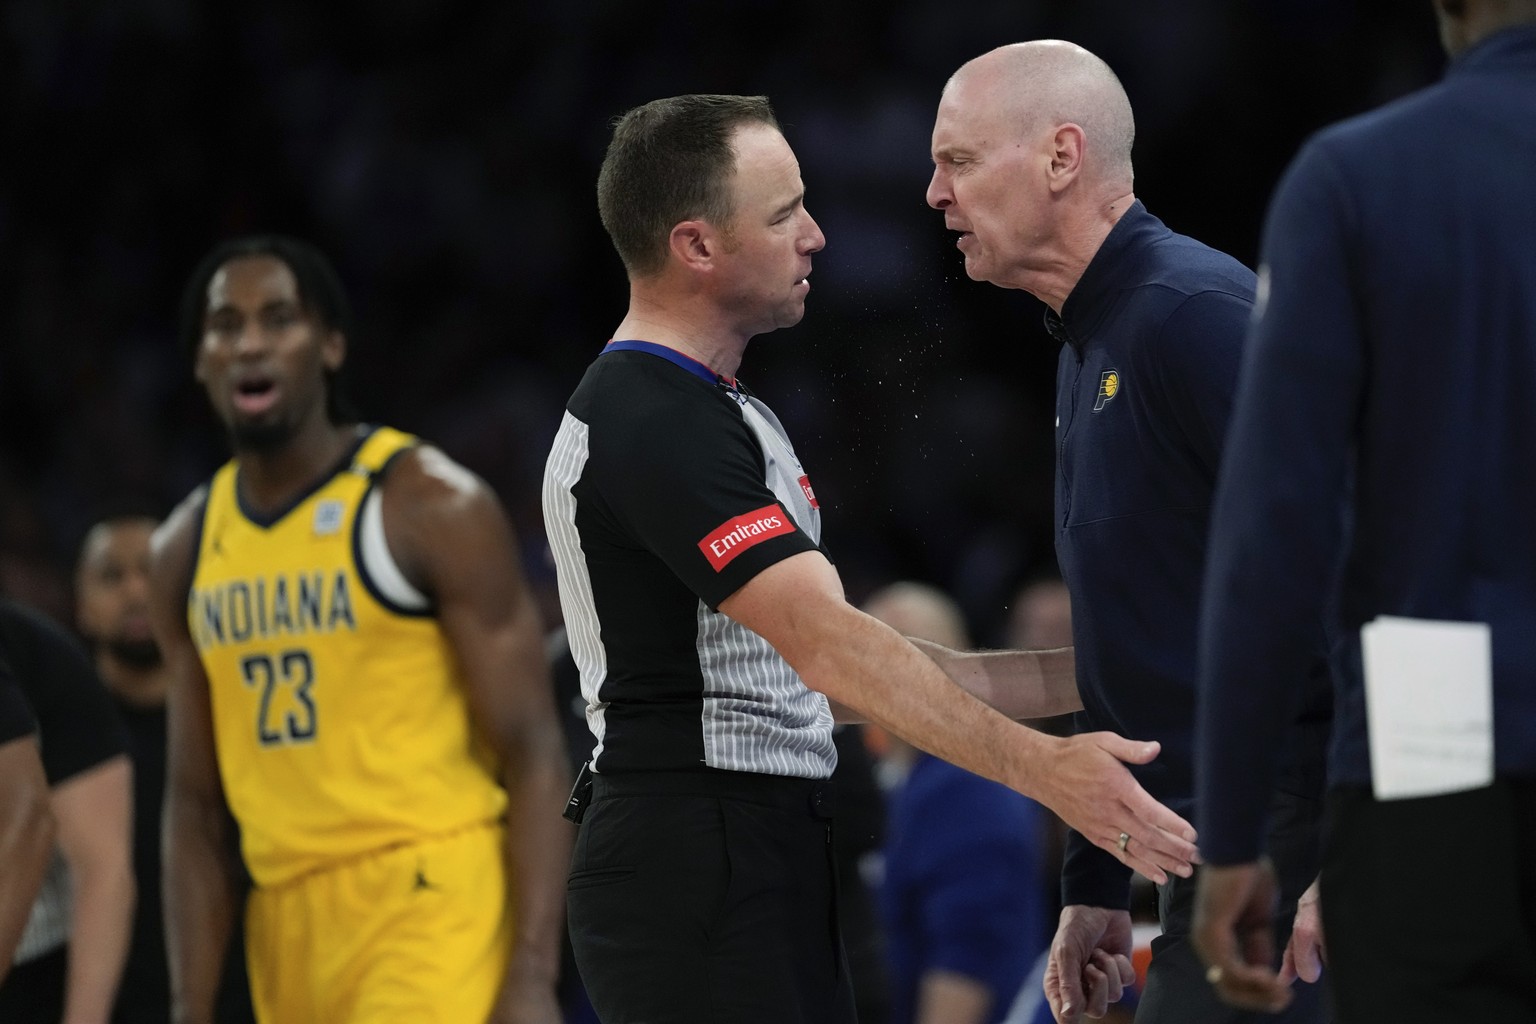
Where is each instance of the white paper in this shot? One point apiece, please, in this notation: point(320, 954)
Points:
point(1429, 706)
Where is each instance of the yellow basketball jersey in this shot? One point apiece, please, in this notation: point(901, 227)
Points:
point(340, 719)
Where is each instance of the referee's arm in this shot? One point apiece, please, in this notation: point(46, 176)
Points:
point(856, 660)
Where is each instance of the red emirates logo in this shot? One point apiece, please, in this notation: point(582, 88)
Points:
point(734, 536)
point(810, 495)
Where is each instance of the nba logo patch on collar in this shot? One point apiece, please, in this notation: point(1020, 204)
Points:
point(1109, 387)
point(328, 517)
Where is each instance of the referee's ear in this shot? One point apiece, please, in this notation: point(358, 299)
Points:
point(694, 244)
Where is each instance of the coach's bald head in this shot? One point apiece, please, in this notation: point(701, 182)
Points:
point(1044, 83)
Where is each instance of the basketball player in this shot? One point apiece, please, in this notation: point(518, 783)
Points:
point(357, 671)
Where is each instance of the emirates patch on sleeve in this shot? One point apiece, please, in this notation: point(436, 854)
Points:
point(734, 536)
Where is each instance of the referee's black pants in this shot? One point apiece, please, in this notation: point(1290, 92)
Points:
point(1429, 905)
point(708, 897)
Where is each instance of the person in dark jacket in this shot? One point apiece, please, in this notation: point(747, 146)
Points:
point(1379, 471)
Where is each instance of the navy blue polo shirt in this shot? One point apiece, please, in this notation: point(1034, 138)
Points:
point(1153, 337)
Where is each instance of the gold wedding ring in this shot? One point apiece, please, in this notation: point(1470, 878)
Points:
point(1214, 974)
point(1125, 839)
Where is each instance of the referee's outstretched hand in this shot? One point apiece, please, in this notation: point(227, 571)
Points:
point(1093, 792)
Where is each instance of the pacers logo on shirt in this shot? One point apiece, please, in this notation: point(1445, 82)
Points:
point(1109, 387)
point(732, 537)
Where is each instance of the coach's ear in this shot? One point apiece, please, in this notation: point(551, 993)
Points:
point(1066, 157)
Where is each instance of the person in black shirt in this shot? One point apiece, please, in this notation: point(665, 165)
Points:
point(71, 955)
point(26, 825)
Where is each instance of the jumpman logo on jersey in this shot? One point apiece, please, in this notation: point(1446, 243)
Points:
point(421, 882)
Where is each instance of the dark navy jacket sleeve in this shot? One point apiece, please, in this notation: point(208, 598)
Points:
point(1277, 515)
point(1092, 878)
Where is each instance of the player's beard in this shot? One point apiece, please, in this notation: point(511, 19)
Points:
point(139, 654)
point(260, 438)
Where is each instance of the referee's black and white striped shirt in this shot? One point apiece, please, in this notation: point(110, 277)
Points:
point(667, 490)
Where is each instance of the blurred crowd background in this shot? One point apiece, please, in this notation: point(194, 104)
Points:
point(444, 153)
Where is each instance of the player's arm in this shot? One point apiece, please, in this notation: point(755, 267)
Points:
point(95, 836)
point(797, 605)
point(26, 838)
point(198, 884)
point(451, 537)
point(1019, 684)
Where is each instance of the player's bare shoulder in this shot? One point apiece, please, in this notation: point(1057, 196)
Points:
point(172, 560)
point(424, 483)
point(435, 508)
point(425, 475)
point(173, 545)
